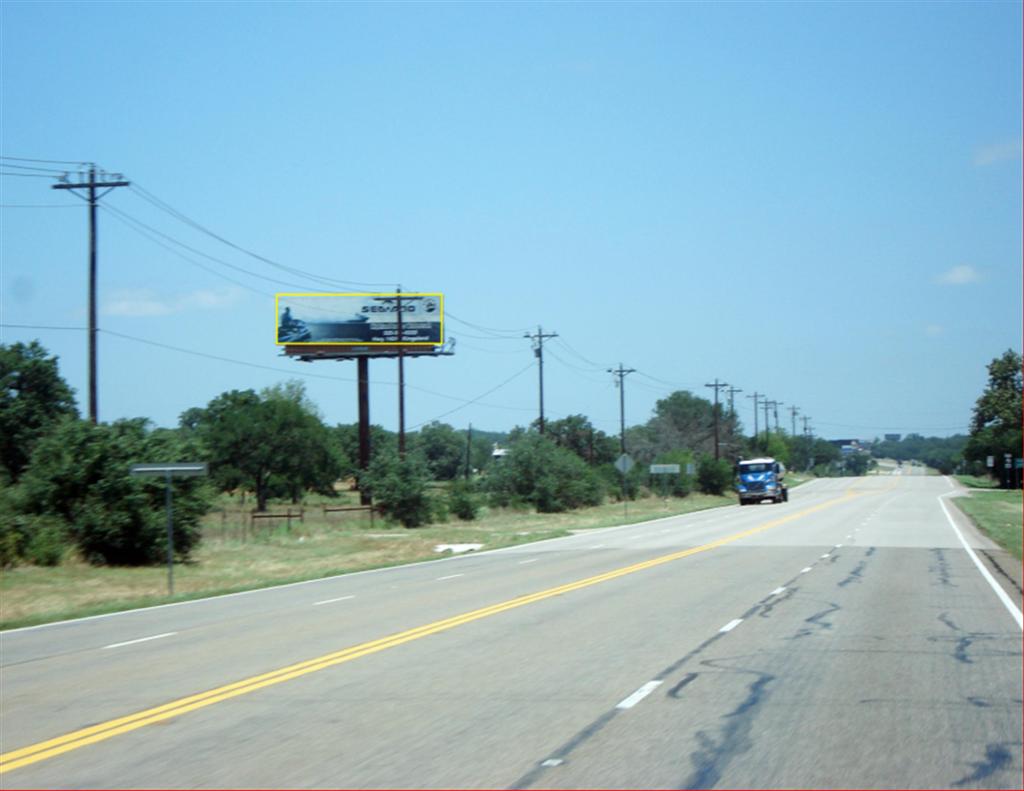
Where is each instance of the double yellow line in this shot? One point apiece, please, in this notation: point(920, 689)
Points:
point(96, 733)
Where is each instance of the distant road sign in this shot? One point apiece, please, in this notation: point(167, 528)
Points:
point(664, 469)
point(176, 470)
point(990, 461)
point(624, 463)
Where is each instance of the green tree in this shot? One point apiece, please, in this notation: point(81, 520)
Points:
point(33, 399)
point(577, 434)
point(252, 441)
point(996, 423)
point(80, 473)
point(444, 450)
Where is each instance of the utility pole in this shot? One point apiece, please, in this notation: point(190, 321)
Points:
point(91, 185)
point(538, 350)
point(717, 387)
point(755, 395)
point(767, 428)
point(732, 391)
point(621, 373)
point(469, 449)
point(806, 420)
point(793, 411)
point(775, 409)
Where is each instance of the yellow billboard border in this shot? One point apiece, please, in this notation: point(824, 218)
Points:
point(277, 314)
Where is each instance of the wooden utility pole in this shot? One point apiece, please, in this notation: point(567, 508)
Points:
point(91, 185)
point(538, 350)
point(621, 373)
point(718, 386)
point(755, 395)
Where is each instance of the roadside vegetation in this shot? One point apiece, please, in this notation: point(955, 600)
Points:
point(998, 514)
point(78, 532)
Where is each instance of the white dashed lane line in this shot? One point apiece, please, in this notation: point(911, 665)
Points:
point(777, 591)
point(524, 562)
point(331, 601)
point(140, 640)
point(450, 577)
point(805, 570)
point(731, 625)
point(639, 695)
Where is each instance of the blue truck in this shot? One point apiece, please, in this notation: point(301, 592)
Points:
point(761, 479)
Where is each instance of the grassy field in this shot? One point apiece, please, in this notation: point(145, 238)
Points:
point(997, 514)
point(237, 554)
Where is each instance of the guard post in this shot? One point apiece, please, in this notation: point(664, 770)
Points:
point(181, 470)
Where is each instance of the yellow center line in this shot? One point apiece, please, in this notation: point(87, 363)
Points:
point(41, 751)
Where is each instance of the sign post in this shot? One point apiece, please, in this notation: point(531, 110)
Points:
point(624, 464)
point(181, 470)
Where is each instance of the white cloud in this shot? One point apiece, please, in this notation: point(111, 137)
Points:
point(997, 152)
point(933, 330)
point(142, 302)
point(959, 275)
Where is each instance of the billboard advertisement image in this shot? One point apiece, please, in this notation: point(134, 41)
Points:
point(360, 319)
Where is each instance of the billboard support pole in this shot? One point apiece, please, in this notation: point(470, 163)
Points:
point(401, 380)
point(363, 364)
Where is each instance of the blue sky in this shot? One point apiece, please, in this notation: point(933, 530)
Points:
point(817, 201)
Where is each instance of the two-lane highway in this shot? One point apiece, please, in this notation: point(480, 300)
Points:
point(844, 639)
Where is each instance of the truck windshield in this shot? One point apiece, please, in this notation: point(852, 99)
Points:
point(747, 468)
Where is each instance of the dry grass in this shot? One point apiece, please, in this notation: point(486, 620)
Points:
point(235, 556)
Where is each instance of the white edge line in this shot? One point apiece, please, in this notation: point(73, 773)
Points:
point(1014, 610)
point(639, 695)
point(140, 640)
point(731, 625)
point(331, 601)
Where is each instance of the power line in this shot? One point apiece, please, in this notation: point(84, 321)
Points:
point(45, 161)
point(518, 373)
point(131, 223)
point(27, 175)
point(499, 334)
point(163, 206)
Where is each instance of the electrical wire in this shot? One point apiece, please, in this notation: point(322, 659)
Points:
point(475, 400)
point(163, 206)
point(45, 161)
point(129, 223)
point(128, 218)
point(497, 333)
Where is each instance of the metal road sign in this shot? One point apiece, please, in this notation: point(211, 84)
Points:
point(169, 470)
point(624, 463)
point(664, 469)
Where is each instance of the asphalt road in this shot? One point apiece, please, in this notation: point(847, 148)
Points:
point(845, 639)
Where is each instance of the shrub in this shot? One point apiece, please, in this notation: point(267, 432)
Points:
point(79, 474)
point(399, 489)
point(48, 539)
point(462, 501)
point(714, 476)
point(549, 478)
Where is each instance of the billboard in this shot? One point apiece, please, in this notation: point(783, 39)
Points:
point(359, 319)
